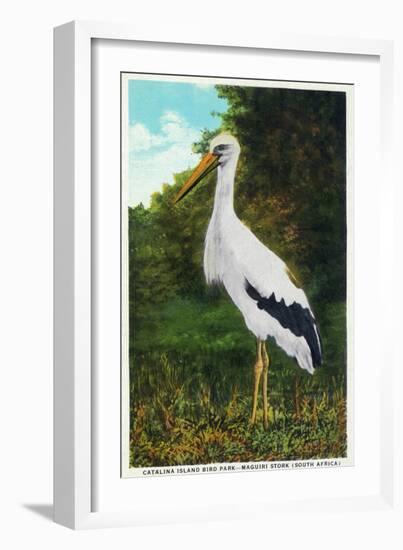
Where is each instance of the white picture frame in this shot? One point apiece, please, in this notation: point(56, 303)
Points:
point(75, 468)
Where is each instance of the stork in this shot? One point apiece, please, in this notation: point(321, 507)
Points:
point(257, 280)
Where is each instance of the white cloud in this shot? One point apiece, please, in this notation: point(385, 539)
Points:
point(203, 85)
point(174, 129)
point(154, 158)
point(172, 116)
point(140, 138)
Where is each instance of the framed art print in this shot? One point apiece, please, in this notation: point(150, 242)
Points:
point(197, 396)
point(222, 246)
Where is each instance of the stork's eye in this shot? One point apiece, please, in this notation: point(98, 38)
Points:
point(219, 149)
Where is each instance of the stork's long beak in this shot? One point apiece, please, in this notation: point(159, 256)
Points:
point(206, 165)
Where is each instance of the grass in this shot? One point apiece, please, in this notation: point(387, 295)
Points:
point(177, 419)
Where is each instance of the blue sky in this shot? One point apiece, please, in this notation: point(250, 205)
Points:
point(165, 118)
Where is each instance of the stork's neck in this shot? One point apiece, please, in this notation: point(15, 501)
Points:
point(224, 193)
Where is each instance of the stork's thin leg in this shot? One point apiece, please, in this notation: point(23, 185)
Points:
point(257, 372)
point(266, 363)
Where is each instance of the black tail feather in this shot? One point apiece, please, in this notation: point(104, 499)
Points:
point(298, 319)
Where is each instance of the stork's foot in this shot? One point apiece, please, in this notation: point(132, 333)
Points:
point(261, 367)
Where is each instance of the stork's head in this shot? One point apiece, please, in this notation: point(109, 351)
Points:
point(223, 149)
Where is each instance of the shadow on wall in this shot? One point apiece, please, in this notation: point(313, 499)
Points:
point(44, 510)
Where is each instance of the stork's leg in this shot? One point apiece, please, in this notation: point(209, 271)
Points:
point(266, 363)
point(257, 372)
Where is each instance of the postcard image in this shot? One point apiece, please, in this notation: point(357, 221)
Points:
point(236, 275)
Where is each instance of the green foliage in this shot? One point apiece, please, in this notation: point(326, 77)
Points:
point(203, 145)
point(291, 178)
point(190, 352)
point(180, 422)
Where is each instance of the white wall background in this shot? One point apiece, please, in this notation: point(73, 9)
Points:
point(26, 265)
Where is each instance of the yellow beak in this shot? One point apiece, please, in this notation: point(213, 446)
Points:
point(206, 165)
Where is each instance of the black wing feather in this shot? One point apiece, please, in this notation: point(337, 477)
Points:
point(299, 320)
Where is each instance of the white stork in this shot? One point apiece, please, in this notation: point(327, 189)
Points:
point(257, 280)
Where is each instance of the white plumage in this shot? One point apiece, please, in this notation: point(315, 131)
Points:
point(255, 278)
point(234, 254)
